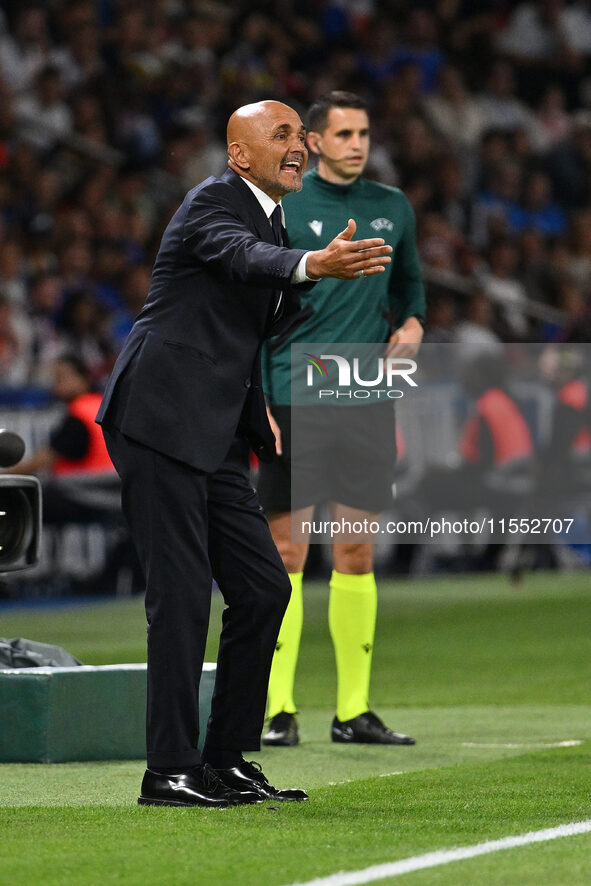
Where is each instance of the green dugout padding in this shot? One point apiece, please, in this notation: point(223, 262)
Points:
point(57, 715)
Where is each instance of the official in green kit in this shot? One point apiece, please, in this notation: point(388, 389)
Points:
point(387, 308)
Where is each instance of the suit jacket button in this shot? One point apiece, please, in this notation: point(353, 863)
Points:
point(247, 382)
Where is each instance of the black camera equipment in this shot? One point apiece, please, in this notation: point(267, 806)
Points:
point(20, 509)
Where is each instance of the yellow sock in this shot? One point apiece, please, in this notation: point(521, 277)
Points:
point(281, 681)
point(352, 613)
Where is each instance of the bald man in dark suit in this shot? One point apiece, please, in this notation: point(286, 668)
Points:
point(181, 410)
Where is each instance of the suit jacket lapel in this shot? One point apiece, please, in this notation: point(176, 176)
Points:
point(264, 230)
point(260, 221)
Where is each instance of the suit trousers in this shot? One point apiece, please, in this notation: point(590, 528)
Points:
point(189, 526)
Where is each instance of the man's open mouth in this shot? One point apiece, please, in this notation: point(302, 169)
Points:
point(292, 165)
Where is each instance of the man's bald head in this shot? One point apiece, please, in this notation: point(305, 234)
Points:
point(267, 146)
point(248, 120)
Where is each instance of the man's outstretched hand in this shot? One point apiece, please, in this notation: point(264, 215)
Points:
point(346, 258)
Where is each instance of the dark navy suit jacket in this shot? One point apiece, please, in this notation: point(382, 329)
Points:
point(189, 373)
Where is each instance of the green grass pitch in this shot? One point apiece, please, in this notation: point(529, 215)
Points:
point(491, 679)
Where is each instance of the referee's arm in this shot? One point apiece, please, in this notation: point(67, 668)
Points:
point(407, 294)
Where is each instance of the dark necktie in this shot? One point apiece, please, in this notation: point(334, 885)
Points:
point(278, 235)
point(277, 226)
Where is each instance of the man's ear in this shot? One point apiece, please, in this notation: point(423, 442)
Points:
point(313, 140)
point(238, 155)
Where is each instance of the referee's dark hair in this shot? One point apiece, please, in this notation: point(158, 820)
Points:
point(318, 111)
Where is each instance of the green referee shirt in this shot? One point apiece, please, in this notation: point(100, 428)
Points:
point(363, 310)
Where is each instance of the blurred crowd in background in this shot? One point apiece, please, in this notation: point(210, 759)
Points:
point(111, 109)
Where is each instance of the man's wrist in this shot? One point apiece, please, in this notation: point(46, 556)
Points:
point(308, 259)
point(420, 320)
point(300, 274)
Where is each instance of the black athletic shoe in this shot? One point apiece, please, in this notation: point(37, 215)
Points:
point(366, 729)
point(250, 777)
point(197, 786)
point(283, 731)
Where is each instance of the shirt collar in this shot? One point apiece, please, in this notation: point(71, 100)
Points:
point(267, 203)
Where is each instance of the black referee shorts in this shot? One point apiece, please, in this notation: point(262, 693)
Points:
point(343, 454)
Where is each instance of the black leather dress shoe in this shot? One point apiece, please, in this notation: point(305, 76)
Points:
point(282, 732)
point(249, 777)
point(366, 729)
point(198, 786)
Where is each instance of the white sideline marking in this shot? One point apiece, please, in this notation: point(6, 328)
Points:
point(445, 856)
point(572, 743)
